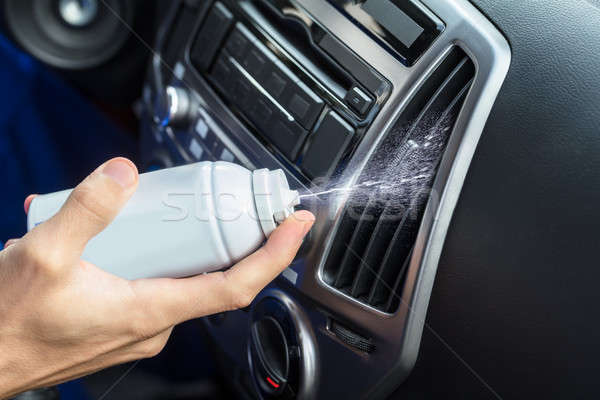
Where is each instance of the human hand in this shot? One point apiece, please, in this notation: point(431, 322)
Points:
point(63, 317)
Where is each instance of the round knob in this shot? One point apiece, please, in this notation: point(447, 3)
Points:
point(281, 351)
point(270, 356)
point(78, 13)
point(178, 104)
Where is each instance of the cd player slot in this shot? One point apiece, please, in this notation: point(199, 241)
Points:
point(296, 37)
point(324, 56)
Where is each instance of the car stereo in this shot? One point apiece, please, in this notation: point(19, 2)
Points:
point(304, 94)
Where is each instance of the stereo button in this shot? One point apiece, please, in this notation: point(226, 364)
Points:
point(304, 104)
point(262, 112)
point(226, 155)
point(287, 136)
point(237, 44)
point(275, 84)
point(327, 147)
point(241, 93)
point(298, 106)
point(211, 35)
point(358, 100)
point(357, 67)
point(254, 63)
point(223, 73)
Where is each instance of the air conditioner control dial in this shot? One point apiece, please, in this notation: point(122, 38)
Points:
point(281, 358)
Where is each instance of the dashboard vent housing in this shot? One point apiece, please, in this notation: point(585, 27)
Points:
point(374, 241)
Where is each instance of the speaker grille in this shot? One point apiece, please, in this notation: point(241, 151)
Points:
point(41, 29)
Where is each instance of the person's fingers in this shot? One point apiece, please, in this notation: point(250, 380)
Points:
point(10, 242)
point(27, 202)
point(253, 273)
point(92, 205)
point(172, 301)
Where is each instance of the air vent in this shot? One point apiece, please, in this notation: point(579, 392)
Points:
point(376, 235)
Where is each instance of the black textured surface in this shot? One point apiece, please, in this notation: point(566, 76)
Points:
point(516, 294)
point(352, 338)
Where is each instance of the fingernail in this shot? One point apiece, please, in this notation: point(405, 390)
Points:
point(307, 218)
point(120, 171)
point(308, 226)
point(27, 202)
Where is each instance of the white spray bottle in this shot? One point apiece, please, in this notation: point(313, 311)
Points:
point(186, 220)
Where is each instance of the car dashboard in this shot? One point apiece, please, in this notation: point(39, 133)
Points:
point(335, 95)
point(448, 148)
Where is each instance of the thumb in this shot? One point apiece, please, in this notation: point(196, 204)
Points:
point(92, 205)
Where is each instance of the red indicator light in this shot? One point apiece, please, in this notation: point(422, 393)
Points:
point(272, 382)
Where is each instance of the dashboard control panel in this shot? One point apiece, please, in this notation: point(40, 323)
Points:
point(295, 107)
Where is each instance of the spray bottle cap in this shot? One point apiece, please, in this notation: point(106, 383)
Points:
point(273, 198)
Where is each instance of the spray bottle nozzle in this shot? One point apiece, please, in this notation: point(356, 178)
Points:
point(273, 198)
point(294, 198)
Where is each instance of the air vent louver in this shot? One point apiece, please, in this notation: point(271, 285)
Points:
point(376, 235)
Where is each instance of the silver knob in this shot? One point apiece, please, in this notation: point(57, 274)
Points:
point(78, 12)
point(179, 105)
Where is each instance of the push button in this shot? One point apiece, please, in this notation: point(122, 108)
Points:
point(299, 106)
point(255, 62)
point(282, 115)
point(329, 142)
point(211, 35)
point(202, 129)
point(223, 73)
point(275, 84)
point(241, 92)
point(358, 100)
point(357, 67)
point(286, 136)
point(226, 155)
point(196, 150)
point(262, 111)
point(304, 104)
point(269, 72)
point(237, 44)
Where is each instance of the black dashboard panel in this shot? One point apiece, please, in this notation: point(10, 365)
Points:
point(513, 312)
point(288, 80)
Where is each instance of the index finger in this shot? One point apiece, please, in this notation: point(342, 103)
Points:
point(176, 300)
